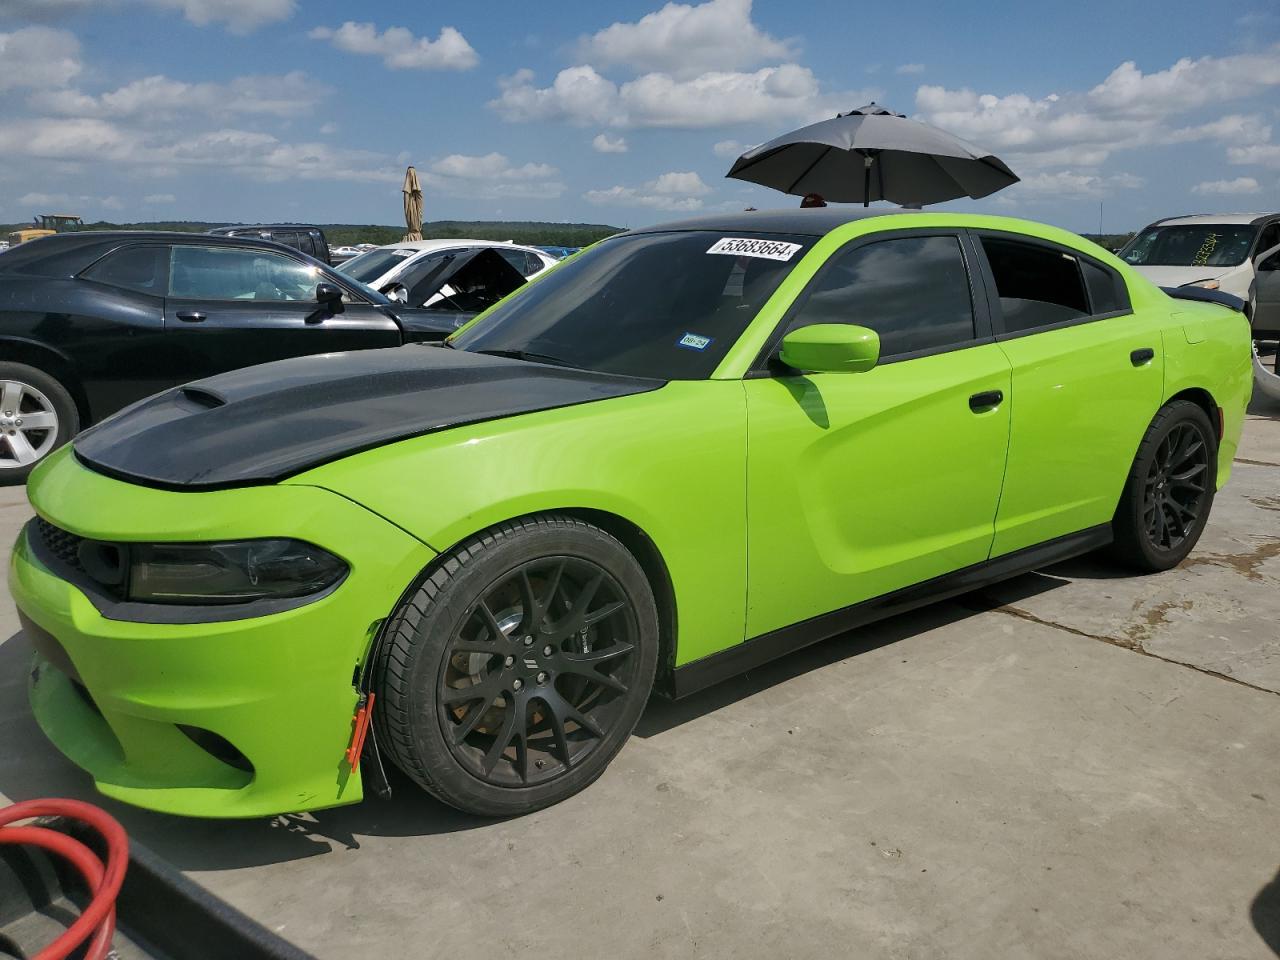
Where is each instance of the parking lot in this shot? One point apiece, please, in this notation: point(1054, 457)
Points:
point(1072, 764)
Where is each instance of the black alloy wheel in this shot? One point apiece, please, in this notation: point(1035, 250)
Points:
point(1175, 486)
point(536, 677)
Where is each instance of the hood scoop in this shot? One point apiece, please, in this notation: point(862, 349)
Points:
point(265, 423)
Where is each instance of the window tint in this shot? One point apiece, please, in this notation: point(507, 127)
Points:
point(604, 311)
point(228, 273)
point(143, 269)
point(526, 263)
point(1104, 292)
point(1270, 238)
point(913, 292)
point(1038, 286)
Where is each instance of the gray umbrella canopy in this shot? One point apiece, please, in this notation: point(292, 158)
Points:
point(874, 154)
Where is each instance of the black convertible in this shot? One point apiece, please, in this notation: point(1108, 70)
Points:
point(90, 322)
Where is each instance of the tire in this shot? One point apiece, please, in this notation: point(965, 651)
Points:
point(29, 399)
point(1169, 491)
point(482, 616)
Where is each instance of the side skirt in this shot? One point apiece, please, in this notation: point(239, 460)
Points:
point(700, 674)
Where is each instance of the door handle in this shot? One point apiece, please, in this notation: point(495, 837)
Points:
point(985, 400)
point(191, 316)
point(1139, 357)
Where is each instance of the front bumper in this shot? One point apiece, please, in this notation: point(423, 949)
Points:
point(115, 695)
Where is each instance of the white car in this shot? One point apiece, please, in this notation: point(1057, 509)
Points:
point(1236, 253)
point(384, 267)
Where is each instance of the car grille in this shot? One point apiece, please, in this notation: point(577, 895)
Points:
point(63, 545)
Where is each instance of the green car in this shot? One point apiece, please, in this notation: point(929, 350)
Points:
point(685, 451)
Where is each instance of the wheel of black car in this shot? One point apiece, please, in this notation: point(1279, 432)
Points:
point(1169, 491)
point(515, 671)
point(37, 416)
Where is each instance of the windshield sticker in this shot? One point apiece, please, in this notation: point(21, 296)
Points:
point(746, 247)
point(692, 341)
point(405, 252)
point(1206, 250)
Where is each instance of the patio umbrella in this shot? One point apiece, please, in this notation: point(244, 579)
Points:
point(412, 191)
point(874, 154)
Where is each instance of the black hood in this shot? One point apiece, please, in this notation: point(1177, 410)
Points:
point(264, 423)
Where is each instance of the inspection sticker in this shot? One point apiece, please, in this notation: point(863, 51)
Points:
point(694, 342)
point(747, 247)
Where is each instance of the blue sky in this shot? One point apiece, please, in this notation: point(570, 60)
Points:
point(617, 112)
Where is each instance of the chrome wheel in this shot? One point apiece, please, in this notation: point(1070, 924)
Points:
point(28, 425)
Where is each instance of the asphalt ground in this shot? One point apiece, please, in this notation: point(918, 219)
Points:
point(1076, 763)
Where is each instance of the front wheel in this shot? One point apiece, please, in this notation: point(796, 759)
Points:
point(37, 415)
point(1169, 491)
point(511, 677)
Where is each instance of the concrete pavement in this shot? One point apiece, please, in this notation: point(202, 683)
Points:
point(1073, 764)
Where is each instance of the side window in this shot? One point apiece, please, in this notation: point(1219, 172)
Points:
point(144, 269)
point(1105, 288)
point(914, 292)
point(1270, 238)
point(517, 258)
point(1038, 286)
point(231, 273)
point(288, 238)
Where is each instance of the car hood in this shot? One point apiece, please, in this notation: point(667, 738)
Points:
point(265, 423)
point(1177, 276)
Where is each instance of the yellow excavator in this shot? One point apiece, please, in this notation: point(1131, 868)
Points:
point(45, 225)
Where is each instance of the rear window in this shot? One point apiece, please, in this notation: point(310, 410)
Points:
point(1104, 289)
point(1038, 286)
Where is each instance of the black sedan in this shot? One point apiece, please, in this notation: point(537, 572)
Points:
point(91, 322)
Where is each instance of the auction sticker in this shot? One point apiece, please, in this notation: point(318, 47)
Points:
point(748, 247)
point(693, 341)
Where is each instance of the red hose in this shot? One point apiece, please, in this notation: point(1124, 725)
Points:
point(103, 880)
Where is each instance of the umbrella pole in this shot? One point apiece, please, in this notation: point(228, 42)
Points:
point(867, 160)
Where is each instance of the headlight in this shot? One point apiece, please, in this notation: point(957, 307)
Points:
point(1207, 284)
point(232, 572)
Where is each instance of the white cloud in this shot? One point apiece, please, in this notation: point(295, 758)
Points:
point(62, 201)
point(38, 57)
point(1188, 83)
point(42, 9)
point(399, 48)
point(1236, 187)
point(670, 191)
point(1071, 184)
point(603, 143)
point(328, 128)
point(730, 149)
point(240, 16)
point(582, 96)
point(909, 68)
point(282, 96)
point(162, 151)
point(491, 166)
point(1261, 154)
point(685, 40)
point(159, 199)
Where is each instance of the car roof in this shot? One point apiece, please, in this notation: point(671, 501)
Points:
point(219, 231)
point(812, 221)
point(65, 254)
point(1196, 218)
point(442, 244)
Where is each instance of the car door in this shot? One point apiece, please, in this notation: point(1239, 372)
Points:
point(859, 484)
point(232, 306)
point(1266, 305)
point(1088, 375)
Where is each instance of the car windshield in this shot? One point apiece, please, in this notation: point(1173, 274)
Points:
point(370, 266)
point(661, 305)
point(1190, 245)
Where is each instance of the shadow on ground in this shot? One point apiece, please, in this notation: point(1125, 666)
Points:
point(199, 845)
point(1265, 913)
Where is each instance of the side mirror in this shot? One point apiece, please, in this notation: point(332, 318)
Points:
point(328, 294)
point(396, 292)
point(831, 348)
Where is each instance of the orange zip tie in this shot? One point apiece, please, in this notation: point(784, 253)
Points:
point(360, 730)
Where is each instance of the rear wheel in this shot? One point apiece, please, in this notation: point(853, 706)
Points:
point(513, 674)
point(1169, 491)
point(37, 415)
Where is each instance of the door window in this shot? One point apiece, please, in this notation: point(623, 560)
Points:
point(144, 269)
point(1038, 286)
point(1106, 289)
point(914, 292)
point(526, 263)
point(1270, 238)
point(230, 273)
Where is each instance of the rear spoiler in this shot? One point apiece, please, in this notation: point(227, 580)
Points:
point(1206, 296)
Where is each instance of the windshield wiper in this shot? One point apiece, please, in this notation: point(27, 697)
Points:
point(526, 355)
